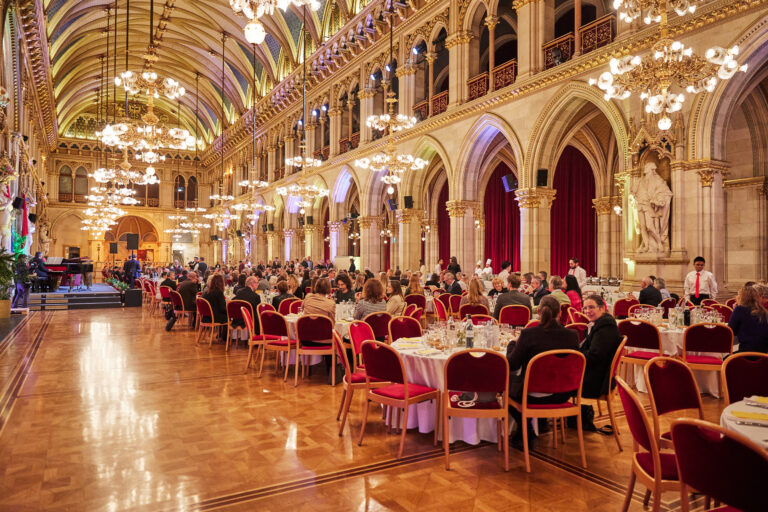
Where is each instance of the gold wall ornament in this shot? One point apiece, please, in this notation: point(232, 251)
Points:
point(409, 216)
point(535, 197)
point(368, 222)
point(456, 208)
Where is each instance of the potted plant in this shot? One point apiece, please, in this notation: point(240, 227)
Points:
point(7, 262)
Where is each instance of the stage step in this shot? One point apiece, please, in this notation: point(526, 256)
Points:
point(75, 300)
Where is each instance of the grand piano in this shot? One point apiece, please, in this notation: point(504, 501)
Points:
point(65, 270)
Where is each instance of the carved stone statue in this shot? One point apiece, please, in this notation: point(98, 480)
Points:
point(44, 239)
point(652, 198)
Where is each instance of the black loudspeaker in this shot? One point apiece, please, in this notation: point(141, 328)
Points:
point(310, 220)
point(112, 247)
point(264, 228)
point(133, 241)
point(133, 298)
point(510, 182)
point(392, 204)
point(301, 221)
point(239, 233)
point(32, 217)
point(408, 201)
point(18, 203)
point(271, 227)
point(542, 177)
point(214, 238)
point(74, 252)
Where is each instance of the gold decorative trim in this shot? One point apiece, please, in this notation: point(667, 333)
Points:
point(755, 182)
point(535, 197)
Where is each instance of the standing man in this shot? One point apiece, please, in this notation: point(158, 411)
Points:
point(699, 284)
point(132, 268)
point(202, 266)
point(504, 274)
point(352, 267)
point(579, 273)
point(439, 267)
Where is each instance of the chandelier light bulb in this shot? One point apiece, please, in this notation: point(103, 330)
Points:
point(254, 32)
point(390, 190)
point(665, 123)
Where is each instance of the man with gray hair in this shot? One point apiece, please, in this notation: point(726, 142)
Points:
point(249, 295)
point(661, 285)
point(450, 284)
point(649, 295)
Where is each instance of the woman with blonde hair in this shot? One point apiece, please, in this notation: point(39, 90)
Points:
point(475, 294)
point(498, 287)
point(414, 286)
point(396, 302)
point(294, 288)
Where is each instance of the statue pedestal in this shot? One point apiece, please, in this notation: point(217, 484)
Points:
point(671, 265)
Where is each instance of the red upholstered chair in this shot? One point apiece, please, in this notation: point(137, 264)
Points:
point(720, 464)
point(708, 302)
point(285, 306)
point(479, 319)
point(359, 332)
point(621, 307)
point(379, 322)
point(416, 314)
point(294, 307)
point(731, 303)
point(178, 306)
point(274, 325)
point(716, 338)
point(532, 323)
point(383, 363)
point(554, 371)
point(454, 301)
point(154, 300)
point(317, 329)
point(724, 311)
point(609, 397)
point(477, 371)
point(445, 298)
point(254, 340)
point(235, 317)
point(409, 309)
point(563, 316)
point(667, 304)
point(165, 293)
point(403, 327)
point(576, 317)
point(643, 341)
point(204, 310)
point(581, 330)
point(654, 469)
point(744, 375)
point(514, 315)
point(671, 388)
point(635, 309)
point(416, 299)
point(264, 307)
point(472, 309)
point(441, 313)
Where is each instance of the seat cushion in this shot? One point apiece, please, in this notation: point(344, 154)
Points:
point(564, 405)
point(397, 391)
point(667, 435)
point(477, 405)
point(703, 360)
point(668, 464)
point(359, 378)
point(265, 337)
point(642, 354)
point(281, 343)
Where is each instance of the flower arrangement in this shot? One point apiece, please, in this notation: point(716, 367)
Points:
point(117, 285)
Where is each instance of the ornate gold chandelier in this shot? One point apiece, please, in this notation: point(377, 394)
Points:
point(389, 160)
point(255, 9)
point(669, 64)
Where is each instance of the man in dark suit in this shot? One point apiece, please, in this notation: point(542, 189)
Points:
point(512, 296)
point(539, 290)
point(37, 267)
point(352, 266)
point(202, 267)
point(131, 268)
point(188, 290)
point(450, 284)
point(649, 295)
point(248, 294)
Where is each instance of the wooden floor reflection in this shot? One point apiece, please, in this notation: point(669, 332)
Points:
point(104, 410)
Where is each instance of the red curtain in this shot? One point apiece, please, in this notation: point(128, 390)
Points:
point(574, 222)
point(443, 227)
point(502, 222)
point(326, 234)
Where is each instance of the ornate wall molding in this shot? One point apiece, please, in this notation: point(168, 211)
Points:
point(605, 205)
point(535, 197)
point(409, 216)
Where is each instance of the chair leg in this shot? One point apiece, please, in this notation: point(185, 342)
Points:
point(347, 404)
point(365, 419)
point(404, 431)
point(226, 342)
point(505, 440)
point(288, 362)
point(554, 432)
point(614, 426)
point(341, 404)
point(333, 368)
point(498, 434)
point(524, 426)
point(656, 506)
point(630, 490)
point(296, 365)
point(562, 429)
point(446, 436)
point(599, 409)
point(261, 365)
point(581, 438)
point(248, 359)
point(647, 498)
point(437, 419)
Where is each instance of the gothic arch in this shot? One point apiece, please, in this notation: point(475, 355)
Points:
point(414, 183)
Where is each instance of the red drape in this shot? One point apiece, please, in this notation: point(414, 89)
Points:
point(443, 227)
point(574, 222)
point(502, 222)
point(326, 234)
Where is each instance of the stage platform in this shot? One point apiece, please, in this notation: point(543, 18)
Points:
point(99, 296)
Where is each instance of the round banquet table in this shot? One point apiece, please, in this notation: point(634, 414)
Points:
point(428, 370)
point(757, 434)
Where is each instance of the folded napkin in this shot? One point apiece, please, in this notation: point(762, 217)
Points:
point(759, 399)
point(410, 340)
point(407, 345)
point(744, 415)
point(430, 351)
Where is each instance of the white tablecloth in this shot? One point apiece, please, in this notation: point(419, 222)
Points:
point(757, 434)
point(341, 327)
point(428, 371)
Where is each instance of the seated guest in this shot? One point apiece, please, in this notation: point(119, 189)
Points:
point(526, 283)
point(475, 294)
point(359, 282)
point(395, 302)
point(451, 285)
point(539, 290)
point(282, 294)
point(433, 280)
point(188, 290)
point(498, 287)
point(463, 280)
point(240, 283)
point(169, 280)
point(661, 285)
point(649, 295)
point(556, 290)
point(573, 291)
point(215, 296)
point(263, 281)
point(183, 276)
point(548, 335)
point(511, 296)
point(318, 303)
point(306, 280)
point(295, 288)
point(344, 291)
point(372, 300)
point(249, 295)
point(749, 322)
point(414, 286)
point(600, 345)
point(37, 267)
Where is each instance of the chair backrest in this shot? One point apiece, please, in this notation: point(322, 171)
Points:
point(563, 316)
point(708, 302)
point(641, 334)
point(621, 307)
point(478, 319)
point(616, 361)
point(555, 371)
point(248, 318)
point(514, 314)
point(720, 464)
point(445, 298)
point(472, 309)
point(295, 305)
point(273, 324)
point(383, 362)
point(440, 310)
point(576, 317)
point(724, 311)
point(307, 290)
point(165, 292)
point(263, 306)
point(417, 299)
point(731, 303)
point(416, 313)
point(581, 330)
point(532, 323)
point(234, 308)
point(342, 353)
point(317, 328)
point(204, 308)
point(409, 309)
point(671, 387)
point(285, 306)
point(634, 309)
point(478, 371)
point(379, 322)
point(667, 304)
point(359, 332)
point(403, 327)
point(638, 424)
point(177, 301)
point(454, 301)
point(743, 375)
point(708, 338)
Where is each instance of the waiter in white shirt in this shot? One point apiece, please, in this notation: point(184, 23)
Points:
point(504, 274)
point(439, 268)
point(699, 284)
point(579, 273)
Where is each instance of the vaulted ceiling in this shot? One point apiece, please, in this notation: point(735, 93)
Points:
point(188, 38)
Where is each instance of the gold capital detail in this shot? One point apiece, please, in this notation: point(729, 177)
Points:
point(518, 4)
point(535, 197)
point(491, 22)
point(367, 222)
point(459, 208)
point(409, 216)
point(604, 205)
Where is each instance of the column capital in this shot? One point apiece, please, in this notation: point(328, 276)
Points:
point(458, 208)
point(491, 22)
point(605, 205)
point(368, 221)
point(457, 38)
point(335, 226)
point(409, 216)
point(271, 148)
point(518, 4)
point(707, 169)
point(290, 137)
point(289, 233)
point(430, 57)
point(366, 93)
point(535, 197)
point(406, 70)
point(334, 112)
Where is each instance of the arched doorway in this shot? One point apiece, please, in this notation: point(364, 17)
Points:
point(149, 242)
point(502, 218)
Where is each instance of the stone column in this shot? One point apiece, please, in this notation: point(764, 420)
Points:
point(608, 235)
point(431, 244)
point(712, 215)
point(538, 17)
point(310, 138)
point(462, 214)
point(491, 22)
point(370, 243)
point(407, 80)
point(271, 157)
point(272, 250)
point(479, 239)
point(366, 109)
point(430, 56)
point(288, 249)
point(458, 62)
point(576, 27)
point(535, 204)
point(290, 151)
point(335, 126)
point(409, 238)
point(334, 229)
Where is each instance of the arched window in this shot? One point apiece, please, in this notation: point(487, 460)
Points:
point(191, 191)
point(65, 184)
point(81, 185)
point(179, 192)
point(153, 195)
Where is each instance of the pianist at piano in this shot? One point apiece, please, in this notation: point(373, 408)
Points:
point(67, 272)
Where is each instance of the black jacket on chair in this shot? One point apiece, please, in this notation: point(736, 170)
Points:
point(454, 288)
point(600, 345)
point(254, 300)
point(650, 295)
point(218, 305)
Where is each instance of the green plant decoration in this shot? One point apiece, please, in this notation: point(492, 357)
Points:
point(18, 241)
point(7, 262)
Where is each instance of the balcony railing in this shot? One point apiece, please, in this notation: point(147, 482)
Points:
point(421, 110)
point(478, 86)
point(562, 43)
point(317, 154)
point(505, 74)
point(344, 145)
point(155, 202)
point(80, 198)
point(439, 103)
point(354, 140)
point(179, 203)
point(325, 152)
point(140, 201)
point(597, 33)
point(64, 197)
point(190, 203)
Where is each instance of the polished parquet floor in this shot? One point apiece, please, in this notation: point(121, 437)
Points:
point(104, 410)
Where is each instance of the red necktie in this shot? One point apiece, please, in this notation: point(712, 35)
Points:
point(697, 285)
